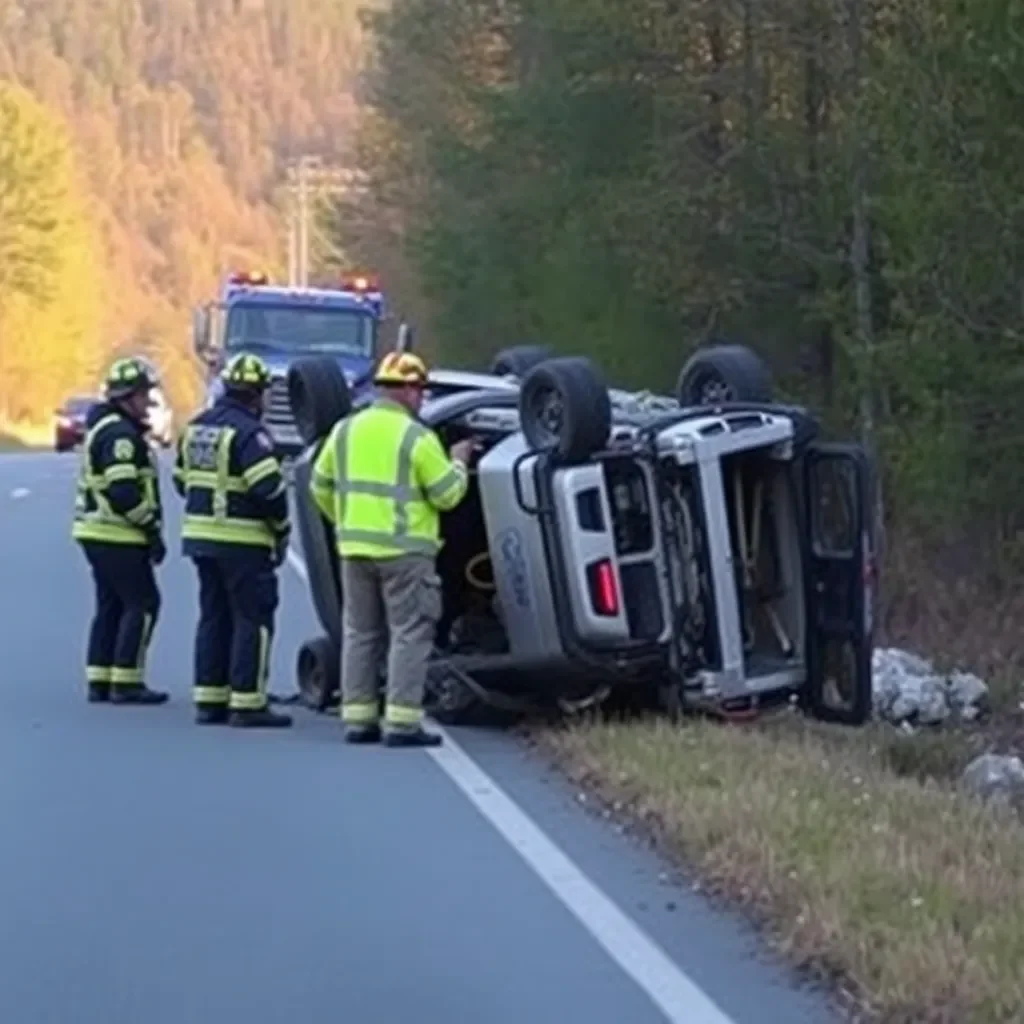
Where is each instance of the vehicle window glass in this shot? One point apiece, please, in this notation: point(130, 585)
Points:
point(833, 485)
point(320, 329)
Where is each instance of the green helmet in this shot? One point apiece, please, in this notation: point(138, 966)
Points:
point(127, 377)
point(246, 373)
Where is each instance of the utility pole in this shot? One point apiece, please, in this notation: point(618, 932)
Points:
point(310, 179)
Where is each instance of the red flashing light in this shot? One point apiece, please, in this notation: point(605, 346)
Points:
point(604, 588)
point(360, 282)
point(251, 277)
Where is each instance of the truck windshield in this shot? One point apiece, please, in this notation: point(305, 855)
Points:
point(302, 328)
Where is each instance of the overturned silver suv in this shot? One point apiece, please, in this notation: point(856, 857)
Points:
point(706, 548)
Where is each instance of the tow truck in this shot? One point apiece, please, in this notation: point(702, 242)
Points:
point(282, 324)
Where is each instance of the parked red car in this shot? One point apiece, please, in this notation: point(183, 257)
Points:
point(69, 423)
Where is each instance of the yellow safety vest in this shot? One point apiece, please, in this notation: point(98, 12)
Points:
point(100, 522)
point(382, 478)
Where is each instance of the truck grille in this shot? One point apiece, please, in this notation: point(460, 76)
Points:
point(278, 416)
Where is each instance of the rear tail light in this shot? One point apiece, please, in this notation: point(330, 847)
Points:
point(604, 588)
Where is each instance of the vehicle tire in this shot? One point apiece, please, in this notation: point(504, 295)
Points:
point(565, 408)
point(319, 396)
point(724, 373)
point(519, 360)
point(318, 672)
point(447, 699)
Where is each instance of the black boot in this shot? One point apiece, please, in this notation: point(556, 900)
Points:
point(262, 719)
point(362, 734)
point(212, 714)
point(99, 693)
point(412, 738)
point(136, 695)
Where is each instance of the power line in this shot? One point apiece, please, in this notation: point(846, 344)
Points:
point(309, 178)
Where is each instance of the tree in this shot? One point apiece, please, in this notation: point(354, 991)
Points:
point(50, 290)
point(182, 116)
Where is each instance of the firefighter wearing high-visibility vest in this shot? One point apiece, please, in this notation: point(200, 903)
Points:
point(236, 532)
point(382, 478)
point(118, 524)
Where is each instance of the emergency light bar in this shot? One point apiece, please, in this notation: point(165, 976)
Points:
point(360, 283)
point(254, 277)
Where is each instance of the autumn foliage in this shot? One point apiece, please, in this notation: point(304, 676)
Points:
point(142, 146)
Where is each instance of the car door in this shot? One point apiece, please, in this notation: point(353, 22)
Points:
point(839, 581)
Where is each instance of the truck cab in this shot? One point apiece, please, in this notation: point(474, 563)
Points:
point(282, 324)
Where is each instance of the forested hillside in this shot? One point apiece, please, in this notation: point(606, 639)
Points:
point(142, 144)
point(837, 181)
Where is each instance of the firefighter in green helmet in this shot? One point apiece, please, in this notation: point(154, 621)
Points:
point(118, 524)
point(236, 532)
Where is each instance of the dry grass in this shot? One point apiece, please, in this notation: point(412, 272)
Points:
point(909, 892)
point(20, 436)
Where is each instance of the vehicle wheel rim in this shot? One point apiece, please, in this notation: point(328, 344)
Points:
point(311, 682)
point(714, 390)
point(547, 412)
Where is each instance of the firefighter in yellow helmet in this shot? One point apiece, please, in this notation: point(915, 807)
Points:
point(382, 478)
point(118, 523)
point(236, 531)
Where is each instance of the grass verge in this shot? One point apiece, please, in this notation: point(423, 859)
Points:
point(11, 444)
point(18, 437)
point(906, 892)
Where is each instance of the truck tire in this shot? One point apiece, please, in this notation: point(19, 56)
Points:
point(319, 396)
point(318, 672)
point(518, 360)
point(565, 408)
point(722, 374)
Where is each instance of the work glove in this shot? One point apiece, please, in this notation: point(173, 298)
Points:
point(157, 549)
point(462, 451)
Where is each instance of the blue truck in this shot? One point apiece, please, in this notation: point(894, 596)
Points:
point(283, 324)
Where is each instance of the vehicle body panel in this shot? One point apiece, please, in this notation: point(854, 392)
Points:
point(554, 529)
point(70, 422)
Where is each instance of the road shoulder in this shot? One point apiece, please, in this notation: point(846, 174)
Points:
point(904, 895)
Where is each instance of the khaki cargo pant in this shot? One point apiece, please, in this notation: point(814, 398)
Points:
point(397, 598)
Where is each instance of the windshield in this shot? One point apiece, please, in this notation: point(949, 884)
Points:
point(304, 328)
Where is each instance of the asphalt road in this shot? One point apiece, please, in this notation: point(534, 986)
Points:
point(152, 872)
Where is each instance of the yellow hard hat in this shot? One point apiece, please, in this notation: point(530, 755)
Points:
point(398, 368)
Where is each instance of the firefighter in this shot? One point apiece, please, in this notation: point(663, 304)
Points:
point(382, 478)
point(236, 531)
point(118, 523)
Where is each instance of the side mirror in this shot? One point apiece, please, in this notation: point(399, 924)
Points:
point(201, 331)
point(406, 338)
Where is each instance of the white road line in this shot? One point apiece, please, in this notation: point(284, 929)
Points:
point(638, 955)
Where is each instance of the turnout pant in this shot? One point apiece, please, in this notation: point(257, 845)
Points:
point(127, 606)
point(237, 603)
point(397, 598)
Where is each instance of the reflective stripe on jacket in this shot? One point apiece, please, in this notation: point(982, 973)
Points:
point(118, 498)
point(382, 478)
point(229, 474)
